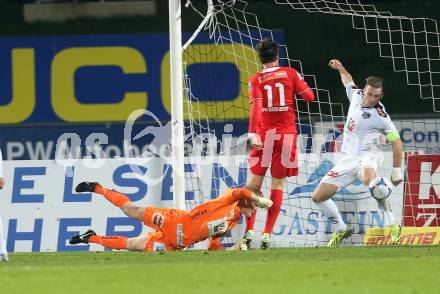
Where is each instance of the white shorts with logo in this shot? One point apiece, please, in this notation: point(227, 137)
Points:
point(347, 170)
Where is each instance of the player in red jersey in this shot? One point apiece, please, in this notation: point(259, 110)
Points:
point(176, 229)
point(272, 129)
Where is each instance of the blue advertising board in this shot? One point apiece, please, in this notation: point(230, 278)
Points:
point(40, 142)
point(103, 78)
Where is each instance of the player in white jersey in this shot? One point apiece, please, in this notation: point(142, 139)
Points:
point(3, 252)
point(366, 121)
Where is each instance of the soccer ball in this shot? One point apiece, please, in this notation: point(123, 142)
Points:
point(380, 188)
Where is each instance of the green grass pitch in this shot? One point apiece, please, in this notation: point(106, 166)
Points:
point(306, 270)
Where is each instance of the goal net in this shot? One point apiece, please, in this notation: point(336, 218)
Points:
point(219, 58)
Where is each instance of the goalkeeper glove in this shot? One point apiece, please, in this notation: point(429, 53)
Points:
point(264, 202)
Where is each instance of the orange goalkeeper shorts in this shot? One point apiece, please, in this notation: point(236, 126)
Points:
point(171, 223)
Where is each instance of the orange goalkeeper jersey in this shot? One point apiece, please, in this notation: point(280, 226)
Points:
point(180, 229)
point(215, 217)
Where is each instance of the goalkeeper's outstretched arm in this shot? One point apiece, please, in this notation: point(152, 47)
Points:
point(346, 77)
point(247, 193)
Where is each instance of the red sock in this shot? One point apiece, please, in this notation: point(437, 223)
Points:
point(272, 213)
point(115, 242)
point(250, 221)
point(114, 197)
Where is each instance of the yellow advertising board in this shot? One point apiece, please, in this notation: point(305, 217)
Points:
point(410, 236)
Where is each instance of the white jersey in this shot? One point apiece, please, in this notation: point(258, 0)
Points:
point(364, 124)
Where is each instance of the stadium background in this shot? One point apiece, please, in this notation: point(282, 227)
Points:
point(40, 210)
point(304, 39)
point(31, 132)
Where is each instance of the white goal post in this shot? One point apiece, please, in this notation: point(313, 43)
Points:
point(177, 130)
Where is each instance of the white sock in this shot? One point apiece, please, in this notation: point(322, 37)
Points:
point(330, 210)
point(2, 240)
point(388, 218)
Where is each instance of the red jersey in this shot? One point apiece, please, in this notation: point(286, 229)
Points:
point(272, 96)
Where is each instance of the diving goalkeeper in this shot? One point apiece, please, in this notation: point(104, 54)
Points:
point(176, 229)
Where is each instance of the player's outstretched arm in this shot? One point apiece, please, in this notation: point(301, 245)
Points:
point(238, 194)
point(346, 77)
point(396, 176)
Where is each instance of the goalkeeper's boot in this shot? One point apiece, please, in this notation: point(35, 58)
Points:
point(337, 237)
point(395, 233)
point(265, 241)
point(4, 257)
point(83, 238)
point(247, 240)
point(86, 187)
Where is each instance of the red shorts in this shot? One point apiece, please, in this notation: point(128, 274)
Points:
point(279, 152)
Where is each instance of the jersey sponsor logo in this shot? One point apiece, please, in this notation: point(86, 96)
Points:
point(275, 109)
point(273, 76)
point(158, 219)
point(218, 227)
point(380, 111)
point(179, 235)
point(198, 214)
point(366, 115)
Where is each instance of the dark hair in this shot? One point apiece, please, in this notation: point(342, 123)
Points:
point(374, 81)
point(267, 50)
